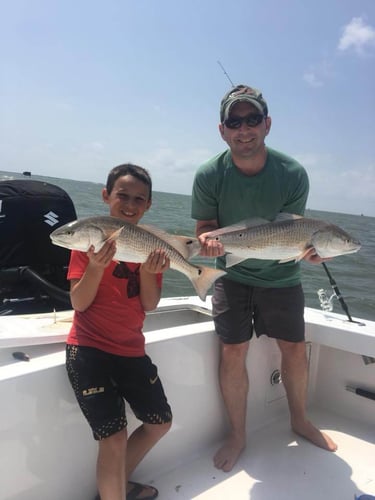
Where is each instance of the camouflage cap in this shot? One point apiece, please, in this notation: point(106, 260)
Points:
point(242, 93)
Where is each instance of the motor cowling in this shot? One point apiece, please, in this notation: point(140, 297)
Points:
point(29, 211)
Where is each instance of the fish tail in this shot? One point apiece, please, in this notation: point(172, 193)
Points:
point(204, 280)
point(193, 247)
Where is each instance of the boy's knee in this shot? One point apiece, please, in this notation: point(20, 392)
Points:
point(164, 428)
point(158, 430)
point(114, 443)
point(167, 426)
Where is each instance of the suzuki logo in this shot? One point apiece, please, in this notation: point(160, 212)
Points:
point(51, 219)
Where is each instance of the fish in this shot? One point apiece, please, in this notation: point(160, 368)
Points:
point(134, 243)
point(288, 237)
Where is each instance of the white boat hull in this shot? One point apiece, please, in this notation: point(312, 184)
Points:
point(47, 451)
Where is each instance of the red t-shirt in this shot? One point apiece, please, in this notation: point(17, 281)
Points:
point(113, 322)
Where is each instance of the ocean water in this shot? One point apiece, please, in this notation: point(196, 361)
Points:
point(354, 274)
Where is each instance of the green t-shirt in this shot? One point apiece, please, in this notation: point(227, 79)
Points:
point(222, 192)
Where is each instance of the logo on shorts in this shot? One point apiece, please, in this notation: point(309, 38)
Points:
point(153, 380)
point(92, 390)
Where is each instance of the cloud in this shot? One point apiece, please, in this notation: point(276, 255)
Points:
point(339, 187)
point(95, 146)
point(167, 158)
point(173, 171)
point(357, 36)
point(312, 79)
point(318, 74)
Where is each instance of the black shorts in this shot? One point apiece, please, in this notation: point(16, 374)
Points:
point(275, 312)
point(101, 381)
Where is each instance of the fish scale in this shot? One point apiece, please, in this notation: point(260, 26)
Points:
point(131, 246)
point(134, 243)
point(286, 238)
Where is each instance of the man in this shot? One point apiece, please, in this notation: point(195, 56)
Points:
point(252, 180)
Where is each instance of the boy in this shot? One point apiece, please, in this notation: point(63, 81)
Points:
point(106, 360)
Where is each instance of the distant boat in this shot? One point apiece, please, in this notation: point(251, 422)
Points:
point(28, 174)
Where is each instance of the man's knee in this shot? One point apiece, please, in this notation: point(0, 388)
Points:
point(292, 349)
point(234, 353)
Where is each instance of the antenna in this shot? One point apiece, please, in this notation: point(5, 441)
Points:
point(225, 73)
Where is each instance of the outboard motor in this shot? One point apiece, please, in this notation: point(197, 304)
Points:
point(32, 269)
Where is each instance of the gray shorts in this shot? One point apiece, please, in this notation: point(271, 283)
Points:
point(239, 309)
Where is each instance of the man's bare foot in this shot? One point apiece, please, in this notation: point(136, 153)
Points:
point(228, 454)
point(308, 431)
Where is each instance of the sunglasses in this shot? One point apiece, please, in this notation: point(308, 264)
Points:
point(252, 120)
point(123, 272)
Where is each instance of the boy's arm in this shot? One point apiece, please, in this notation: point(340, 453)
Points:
point(150, 292)
point(83, 291)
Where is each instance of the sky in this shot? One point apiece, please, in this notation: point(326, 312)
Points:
point(86, 85)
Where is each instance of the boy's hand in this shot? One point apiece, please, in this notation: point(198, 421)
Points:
point(104, 256)
point(157, 262)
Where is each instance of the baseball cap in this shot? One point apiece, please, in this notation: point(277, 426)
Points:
point(242, 93)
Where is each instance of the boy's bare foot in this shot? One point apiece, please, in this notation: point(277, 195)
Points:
point(228, 454)
point(308, 431)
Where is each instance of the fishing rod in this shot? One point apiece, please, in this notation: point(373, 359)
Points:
point(338, 295)
point(225, 73)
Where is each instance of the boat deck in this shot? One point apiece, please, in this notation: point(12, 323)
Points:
point(279, 465)
point(47, 446)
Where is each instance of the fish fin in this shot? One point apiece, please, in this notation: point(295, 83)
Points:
point(304, 253)
point(232, 260)
point(186, 245)
point(253, 222)
point(297, 258)
point(290, 259)
point(193, 246)
point(154, 230)
point(239, 226)
point(283, 216)
point(205, 279)
point(114, 235)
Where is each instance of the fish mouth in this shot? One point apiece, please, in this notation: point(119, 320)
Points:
point(60, 243)
point(354, 250)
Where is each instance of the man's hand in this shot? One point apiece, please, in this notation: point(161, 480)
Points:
point(313, 258)
point(210, 248)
